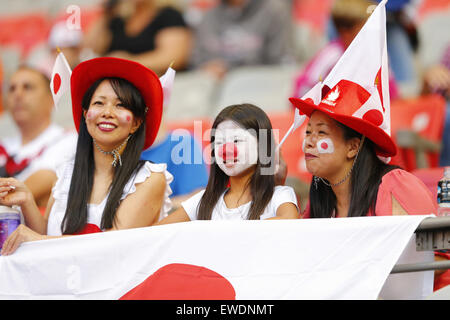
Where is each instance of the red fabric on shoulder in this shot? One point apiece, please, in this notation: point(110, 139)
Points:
point(410, 192)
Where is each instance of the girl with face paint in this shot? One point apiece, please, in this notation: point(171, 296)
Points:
point(241, 183)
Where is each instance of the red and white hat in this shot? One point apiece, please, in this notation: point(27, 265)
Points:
point(357, 108)
point(144, 79)
point(356, 91)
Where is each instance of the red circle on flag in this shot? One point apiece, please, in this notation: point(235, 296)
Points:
point(179, 281)
point(56, 83)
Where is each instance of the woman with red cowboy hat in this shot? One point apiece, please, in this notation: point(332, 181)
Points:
point(343, 147)
point(117, 109)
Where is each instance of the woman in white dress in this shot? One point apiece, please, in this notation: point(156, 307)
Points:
point(241, 183)
point(117, 108)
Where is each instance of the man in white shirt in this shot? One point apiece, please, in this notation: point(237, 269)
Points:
point(33, 155)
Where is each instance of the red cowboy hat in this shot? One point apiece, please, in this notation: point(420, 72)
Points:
point(344, 103)
point(144, 79)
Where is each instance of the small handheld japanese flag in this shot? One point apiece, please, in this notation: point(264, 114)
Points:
point(60, 82)
point(167, 81)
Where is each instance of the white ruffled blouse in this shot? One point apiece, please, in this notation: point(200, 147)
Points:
point(95, 211)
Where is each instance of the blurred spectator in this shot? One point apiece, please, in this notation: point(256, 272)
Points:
point(243, 32)
point(437, 80)
point(34, 154)
point(184, 158)
point(402, 41)
point(1, 88)
point(348, 17)
point(141, 30)
point(68, 41)
point(437, 77)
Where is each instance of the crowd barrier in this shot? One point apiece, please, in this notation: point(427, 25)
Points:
point(432, 234)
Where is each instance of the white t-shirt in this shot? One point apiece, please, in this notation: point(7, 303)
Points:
point(61, 189)
point(281, 194)
point(47, 151)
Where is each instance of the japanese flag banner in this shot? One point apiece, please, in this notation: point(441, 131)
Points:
point(223, 260)
point(60, 82)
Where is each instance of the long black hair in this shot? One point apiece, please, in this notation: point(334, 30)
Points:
point(262, 182)
point(81, 184)
point(365, 179)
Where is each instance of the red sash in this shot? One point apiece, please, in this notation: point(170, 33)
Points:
point(13, 168)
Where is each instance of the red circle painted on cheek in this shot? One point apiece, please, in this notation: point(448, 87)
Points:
point(324, 145)
point(128, 118)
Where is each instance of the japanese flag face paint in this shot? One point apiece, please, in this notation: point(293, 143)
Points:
point(92, 114)
point(325, 146)
point(124, 116)
point(235, 148)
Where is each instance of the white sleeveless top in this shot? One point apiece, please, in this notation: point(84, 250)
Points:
point(60, 194)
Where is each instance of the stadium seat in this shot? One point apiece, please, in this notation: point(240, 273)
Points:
point(292, 147)
point(291, 150)
point(430, 177)
point(29, 30)
point(10, 57)
point(200, 128)
point(1, 87)
point(314, 13)
point(417, 126)
point(191, 97)
point(268, 87)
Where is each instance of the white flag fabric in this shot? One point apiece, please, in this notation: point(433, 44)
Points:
point(167, 81)
point(60, 82)
point(278, 259)
point(365, 62)
point(315, 95)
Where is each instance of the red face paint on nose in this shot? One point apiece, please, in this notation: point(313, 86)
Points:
point(228, 151)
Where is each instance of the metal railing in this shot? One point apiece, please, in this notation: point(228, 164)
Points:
point(432, 234)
